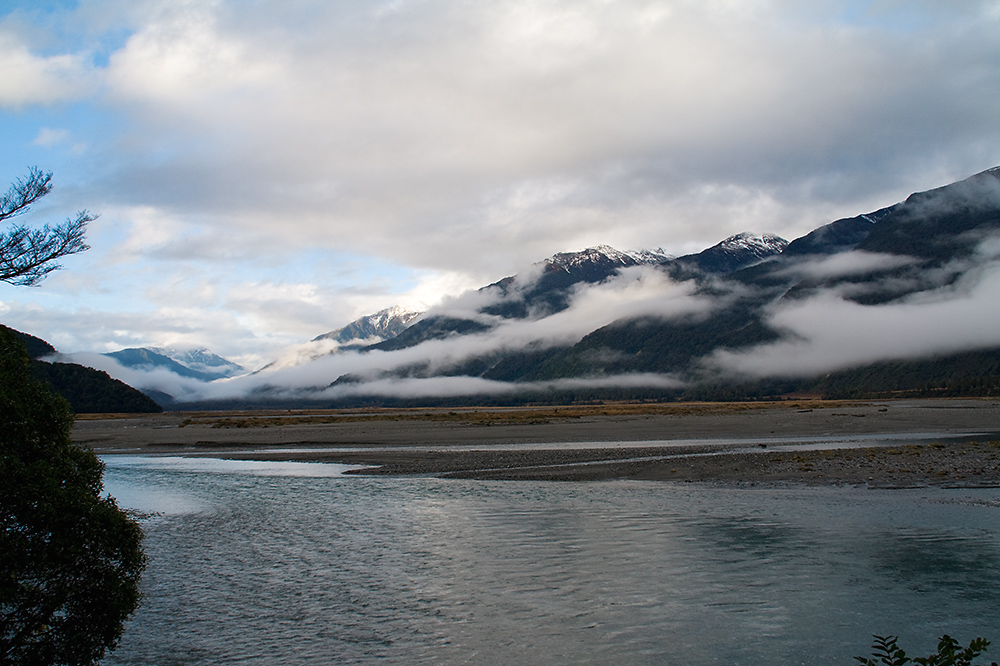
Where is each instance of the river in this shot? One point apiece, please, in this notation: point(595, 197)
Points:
point(280, 563)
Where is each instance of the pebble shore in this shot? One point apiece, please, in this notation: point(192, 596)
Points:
point(877, 444)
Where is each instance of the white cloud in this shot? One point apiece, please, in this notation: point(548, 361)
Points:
point(178, 58)
point(50, 137)
point(847, 264)
point(32, 79)
point(181, 388)
point(483, 124)
point(825, 332)
point(463, 141)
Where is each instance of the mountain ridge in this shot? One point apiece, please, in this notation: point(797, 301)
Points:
point(924, 232)
point(384, 324)
point(752, 314)
point(85, 389)
point(201, 365)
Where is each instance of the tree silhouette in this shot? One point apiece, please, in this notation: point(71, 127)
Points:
point(70, 560)
point(27, 255)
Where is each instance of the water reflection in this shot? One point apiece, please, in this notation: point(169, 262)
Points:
point(171, 485)
point(966, 565)
point(223, 466)
point(347, 570)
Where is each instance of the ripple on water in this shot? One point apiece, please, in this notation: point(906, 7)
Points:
point(320, 570)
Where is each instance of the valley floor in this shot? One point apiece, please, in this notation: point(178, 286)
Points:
point(875, 443)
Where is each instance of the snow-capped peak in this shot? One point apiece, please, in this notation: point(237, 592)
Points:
point(381, 325)
point(388, 317)
point(759, 244)
point(604, 254)
point(201, 360)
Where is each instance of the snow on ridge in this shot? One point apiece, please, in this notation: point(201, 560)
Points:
point(200, 359)
point(374, 327)
point(759, 244)
point(605, 253)
point(384, 318)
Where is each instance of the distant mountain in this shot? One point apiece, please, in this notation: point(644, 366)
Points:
point(924, 240)
point(87, 390)
point(591, 264)
point(383, 325)
point(919, 245)
point(752, 316)
point(733, 253)
point(543, 292)
point(550, 289)
point(838, 236)
point(362, 332)
point(91, 391)
point(203, 361)
point(547, 290)
point(942, 224)
point(199, 364)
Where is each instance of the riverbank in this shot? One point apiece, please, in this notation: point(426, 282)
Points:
point(883, 443)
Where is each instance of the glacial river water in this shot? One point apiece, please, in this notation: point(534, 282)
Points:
point(270, 563)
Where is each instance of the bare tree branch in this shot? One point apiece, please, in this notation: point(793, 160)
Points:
point(24, 192)
point(28, 255)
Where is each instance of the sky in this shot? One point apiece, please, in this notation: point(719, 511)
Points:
point(265, 171)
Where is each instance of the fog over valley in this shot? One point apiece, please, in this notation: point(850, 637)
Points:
point(262, 175)
point(751, 308)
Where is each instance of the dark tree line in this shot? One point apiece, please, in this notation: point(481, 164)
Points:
point(70, 559)
point(29, 254)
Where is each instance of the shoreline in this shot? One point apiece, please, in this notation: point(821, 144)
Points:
point(886, 444)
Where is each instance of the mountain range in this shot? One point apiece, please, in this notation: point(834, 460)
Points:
point(372, 329)
point(199, 364)
point(86, 390)
point(897, 301)
point(746, 327)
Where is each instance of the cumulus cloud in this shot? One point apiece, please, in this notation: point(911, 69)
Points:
point(461, 141)
point(521, 127)
point(33, 79)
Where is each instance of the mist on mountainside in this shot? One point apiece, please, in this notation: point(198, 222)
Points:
point(916, 280)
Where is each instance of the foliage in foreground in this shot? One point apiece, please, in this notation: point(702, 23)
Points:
point(88, 391)
point(950, 653)
point(70, 560)
point(27, 255)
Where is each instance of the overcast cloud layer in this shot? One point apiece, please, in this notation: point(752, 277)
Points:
point(268, 171)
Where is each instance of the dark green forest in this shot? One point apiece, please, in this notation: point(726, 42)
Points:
point(87, 390)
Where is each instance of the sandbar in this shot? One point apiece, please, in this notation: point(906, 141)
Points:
point(886, 443)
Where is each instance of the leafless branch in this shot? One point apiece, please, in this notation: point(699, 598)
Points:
point(27, 255)
point(24, 192)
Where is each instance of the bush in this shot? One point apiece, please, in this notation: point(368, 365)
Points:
point(950, 653)
point(70, 560)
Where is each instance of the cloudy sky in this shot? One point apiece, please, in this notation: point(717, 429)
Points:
point(266, 171)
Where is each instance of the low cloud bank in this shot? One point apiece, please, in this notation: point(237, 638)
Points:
point(826, 332)
point(314, 367)
point(144, 378)
point(946, 309)
point(847, 264)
